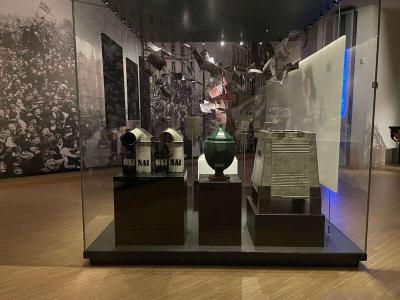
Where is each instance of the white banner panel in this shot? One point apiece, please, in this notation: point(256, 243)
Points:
point(310, 99)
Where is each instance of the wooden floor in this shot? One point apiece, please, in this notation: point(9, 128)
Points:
point(41, 255)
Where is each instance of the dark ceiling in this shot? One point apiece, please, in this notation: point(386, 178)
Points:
point(209, 20)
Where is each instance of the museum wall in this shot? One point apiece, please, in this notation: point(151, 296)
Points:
point(387, 105)
point(38, 109)
point(388, 99)
point(365, 56)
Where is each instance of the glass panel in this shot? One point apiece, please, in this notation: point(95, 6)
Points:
point(299, 110)
point(332, 95)
point(101, 148)
point(349, 205)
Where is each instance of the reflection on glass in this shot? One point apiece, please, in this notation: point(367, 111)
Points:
point(308, 84)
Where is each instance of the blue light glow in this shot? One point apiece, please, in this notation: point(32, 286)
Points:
point(327, 193)
point(345, 87)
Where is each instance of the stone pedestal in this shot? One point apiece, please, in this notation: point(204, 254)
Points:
point(263, 199)
point(289, 224)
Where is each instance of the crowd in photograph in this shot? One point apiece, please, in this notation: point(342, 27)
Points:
point(38, 109)
point(171, 111)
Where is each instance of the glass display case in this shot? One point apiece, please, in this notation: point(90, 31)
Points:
point(215, 141)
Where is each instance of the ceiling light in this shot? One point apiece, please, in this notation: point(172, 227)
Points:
point(185, 16)
point(241, 43)
point(222, 43)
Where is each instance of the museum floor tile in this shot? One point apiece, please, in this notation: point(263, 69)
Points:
point(41, 244)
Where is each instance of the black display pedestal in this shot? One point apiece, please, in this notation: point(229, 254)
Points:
point(337, 250)
point(289, 224)
point(196, 195)
point(150, 209)
point(220, 209)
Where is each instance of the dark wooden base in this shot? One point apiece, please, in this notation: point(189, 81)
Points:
point(196, 195)
point(338, 251)
point(220, 211)
point(215, 177)
point(150, 209)
point(290, 226)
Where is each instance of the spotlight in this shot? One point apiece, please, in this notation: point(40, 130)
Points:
point(115, 11)
point(106, 2)
point(203, 43)
point(241, 43)
point(222, 43)
point(123, 20)
point(260, 43)
point(267, 30)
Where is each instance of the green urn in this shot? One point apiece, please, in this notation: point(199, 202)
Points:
point(219, 150)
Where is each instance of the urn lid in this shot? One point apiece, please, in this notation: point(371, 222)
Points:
point(220, 135)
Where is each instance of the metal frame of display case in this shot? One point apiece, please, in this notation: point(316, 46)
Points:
point(101, 249)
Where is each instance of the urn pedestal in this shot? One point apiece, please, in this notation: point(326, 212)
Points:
point(220, 211)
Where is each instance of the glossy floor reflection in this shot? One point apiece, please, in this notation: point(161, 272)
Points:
point(41, 252)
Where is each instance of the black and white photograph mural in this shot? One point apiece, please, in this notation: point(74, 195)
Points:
point(108, 93)
point(209, 80)
point(38, 109)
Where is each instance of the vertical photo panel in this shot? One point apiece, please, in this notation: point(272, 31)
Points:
point(133, 90)
point(114, 92)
